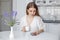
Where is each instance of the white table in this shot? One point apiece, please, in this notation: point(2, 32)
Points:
point(26, 36)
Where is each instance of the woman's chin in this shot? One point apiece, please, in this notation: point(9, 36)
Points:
point(33, 15)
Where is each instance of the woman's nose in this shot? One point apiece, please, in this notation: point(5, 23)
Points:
point(32, 12)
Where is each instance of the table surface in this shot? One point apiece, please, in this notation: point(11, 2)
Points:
point(18, 35)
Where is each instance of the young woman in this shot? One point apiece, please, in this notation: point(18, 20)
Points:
point(32, 21)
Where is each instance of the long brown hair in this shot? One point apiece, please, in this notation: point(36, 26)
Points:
point(32, 4)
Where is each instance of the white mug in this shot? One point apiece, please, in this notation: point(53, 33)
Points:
point(27, 28)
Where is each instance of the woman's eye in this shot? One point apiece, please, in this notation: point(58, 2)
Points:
point(34, 11)
point(30, 11)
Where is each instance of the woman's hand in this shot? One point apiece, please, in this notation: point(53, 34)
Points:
point(23, 29)
point(35, 33)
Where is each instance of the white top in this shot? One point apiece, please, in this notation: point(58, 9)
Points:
point(36, 24)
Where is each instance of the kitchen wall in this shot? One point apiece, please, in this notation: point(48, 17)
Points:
point(0, 16)
point(5, 6)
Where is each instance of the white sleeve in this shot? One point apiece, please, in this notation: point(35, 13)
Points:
point(40, 23)
point(21, 23)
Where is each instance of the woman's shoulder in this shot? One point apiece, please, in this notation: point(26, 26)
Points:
point(37, 17)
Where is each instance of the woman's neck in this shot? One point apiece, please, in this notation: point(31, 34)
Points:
point(30, 16)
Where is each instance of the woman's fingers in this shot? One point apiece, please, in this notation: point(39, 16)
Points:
point(23, 29)
point(34, 33)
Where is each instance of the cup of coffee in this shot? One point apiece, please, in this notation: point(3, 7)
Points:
point(27, 28)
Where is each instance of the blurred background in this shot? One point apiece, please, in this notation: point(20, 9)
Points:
point(48, 9)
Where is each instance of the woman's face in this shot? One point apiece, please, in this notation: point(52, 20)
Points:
point(31, 11)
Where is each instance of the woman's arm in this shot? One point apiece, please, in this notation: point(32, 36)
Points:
point(37, 32)
point(40, 26)
point(22, 24)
